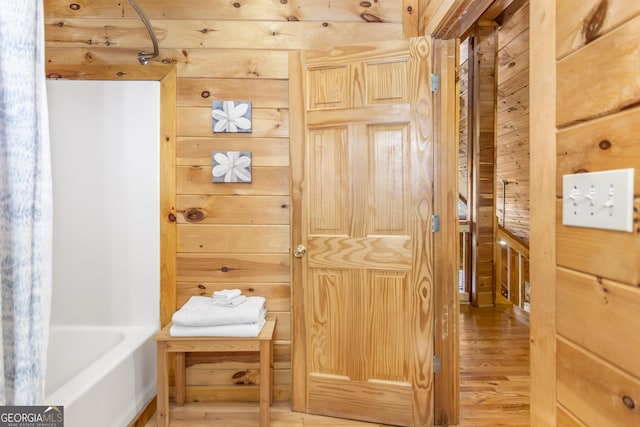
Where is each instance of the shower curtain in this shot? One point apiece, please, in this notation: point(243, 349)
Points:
point(25, 204)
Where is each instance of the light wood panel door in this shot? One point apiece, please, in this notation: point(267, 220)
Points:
point(362, 192)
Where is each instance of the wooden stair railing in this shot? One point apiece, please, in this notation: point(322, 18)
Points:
point(512, 270)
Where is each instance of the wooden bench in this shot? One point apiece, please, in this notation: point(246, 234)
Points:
point(263, 343)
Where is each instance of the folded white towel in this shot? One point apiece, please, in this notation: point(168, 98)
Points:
point(227, 294)
point(241, 330)
point(230, 303)
point(202, 311)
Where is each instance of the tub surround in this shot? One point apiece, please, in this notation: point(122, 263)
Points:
point(106, 241)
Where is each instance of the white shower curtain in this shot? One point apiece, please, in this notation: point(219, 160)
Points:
point(25, 204)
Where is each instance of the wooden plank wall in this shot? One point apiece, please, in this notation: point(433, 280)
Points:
point(598, 272)
point(464, 169)
point(465, 163)
point(483, 111)
point(590, 306)
point(512, 122)
point(229, 235)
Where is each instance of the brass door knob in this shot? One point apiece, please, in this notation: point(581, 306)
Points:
point(299, 251)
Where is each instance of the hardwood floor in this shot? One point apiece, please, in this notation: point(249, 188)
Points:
point(494, 382)
point(494, 367)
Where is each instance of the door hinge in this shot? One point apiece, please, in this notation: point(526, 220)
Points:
point(435, 82)
point(435, 223)
point(436, 363)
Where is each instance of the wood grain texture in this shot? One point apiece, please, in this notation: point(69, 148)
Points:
point(608, 304)
point(216, 34)
point(233, 239)
point(421, 195)
point(513, 61)
point(196, 151)
point(513, 29)
point(542, 237)
point(494, 367)
point(613, 55)
point(232, 268)
point(494, 385)
point(265, 122)
point(108, 32)
point(168, 228)
point(583, 21)
point(145, 415)
point(594, 390)
point(265, 181)
point(583, 249)
point(391, 114)
point(236, 360)
point(410, 18)
point(265, 93)
point(109, 72)
point(512, 158)
point(591, 386)
point(167, 76)
point(298, 231)
point(433, 14)
point(201, 209)
point(484, 135)
point(447, 19)
point(265, 10)
point(328, 172)
point(384, 401)
point(567, 419)
point(446, 241)
point(369, 252)
point(512, 263)
point(205, 63)
point(600, 144)
point(359, 251)
point(464, 127)
point(262, 343)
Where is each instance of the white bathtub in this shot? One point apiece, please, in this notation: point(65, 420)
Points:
point(102, 375)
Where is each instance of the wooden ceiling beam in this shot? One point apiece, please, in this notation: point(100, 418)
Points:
point(453, 19)
point(447, 19)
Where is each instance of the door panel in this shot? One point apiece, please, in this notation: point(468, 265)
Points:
point(362, 191)
point(328, 171)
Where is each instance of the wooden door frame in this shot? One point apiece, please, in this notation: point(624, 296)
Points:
point(297, 149)
point(543, 166)
point(446, 106)
point(167, 76)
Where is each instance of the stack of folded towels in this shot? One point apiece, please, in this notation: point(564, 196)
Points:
point(227, 314)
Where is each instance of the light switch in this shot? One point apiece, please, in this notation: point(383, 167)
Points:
point(599, 200)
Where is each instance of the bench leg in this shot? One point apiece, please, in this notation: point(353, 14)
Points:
point(266, 381)
point(162, 401)
point(180, 379)
point(270, 373)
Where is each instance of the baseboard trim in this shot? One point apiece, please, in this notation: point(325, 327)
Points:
point(145, 415)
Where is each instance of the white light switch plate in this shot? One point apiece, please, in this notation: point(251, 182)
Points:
point(599, 200)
